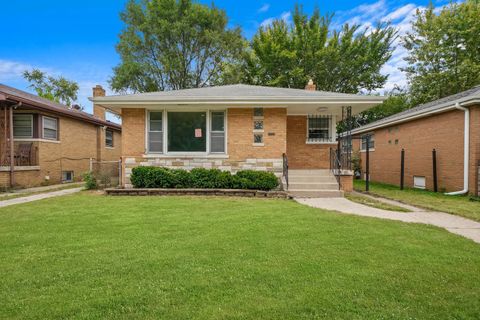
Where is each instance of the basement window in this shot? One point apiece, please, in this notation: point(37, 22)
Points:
point(67, 176)
point(419, 182)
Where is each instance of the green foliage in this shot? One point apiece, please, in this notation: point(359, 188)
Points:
point(57, 89)
point(156, 177)
point(288, 55)
point(444, 51)
point(169, 44)
point(90, 181)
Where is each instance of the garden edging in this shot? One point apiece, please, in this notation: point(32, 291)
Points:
point(196, 192)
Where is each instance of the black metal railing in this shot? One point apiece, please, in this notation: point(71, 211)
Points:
point(335, 165)
point(285, 168)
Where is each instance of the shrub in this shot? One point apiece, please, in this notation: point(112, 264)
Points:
point(90, 181)
point(260, 180)
point(156, 177)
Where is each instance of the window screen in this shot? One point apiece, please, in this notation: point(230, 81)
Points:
point(217, 133)
point(50, 128)
point(22, 125)
point(186, 131)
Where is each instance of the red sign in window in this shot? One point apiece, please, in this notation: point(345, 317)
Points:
point(198, 133)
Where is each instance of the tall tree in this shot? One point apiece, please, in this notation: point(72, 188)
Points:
point(289, 54)
point(56, 89)
point(173, 44)
point(444, 51)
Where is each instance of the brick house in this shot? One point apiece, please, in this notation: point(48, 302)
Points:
point(231, 127)
point(450, 125)
point(42, 142)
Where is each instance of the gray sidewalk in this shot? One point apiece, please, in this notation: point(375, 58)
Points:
point(467, 228)
point(46, 195)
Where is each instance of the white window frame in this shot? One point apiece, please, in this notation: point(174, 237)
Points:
point(31, 126)
point(331, 132)
point(209, 129)
point(417, 185)
point(372, 139)
point(165, 151)
point(43, 128)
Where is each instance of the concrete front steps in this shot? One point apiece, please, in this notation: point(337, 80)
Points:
point(313, 183)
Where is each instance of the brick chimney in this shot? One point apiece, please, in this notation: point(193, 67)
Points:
point(310, 86)
point(98, 111)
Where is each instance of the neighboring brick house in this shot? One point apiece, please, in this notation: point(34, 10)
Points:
point(439, 125)
point(52, 143)
point(231, 127)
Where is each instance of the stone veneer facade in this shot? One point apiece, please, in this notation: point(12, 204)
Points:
point(241, 151)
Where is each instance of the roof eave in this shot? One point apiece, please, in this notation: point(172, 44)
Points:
point(447, 107)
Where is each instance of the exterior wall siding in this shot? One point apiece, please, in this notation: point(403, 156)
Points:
point(300, 154)
point(444, 132)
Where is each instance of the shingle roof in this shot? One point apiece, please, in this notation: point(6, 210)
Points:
point(234, 92)
point(426, 108)
point(48, 105)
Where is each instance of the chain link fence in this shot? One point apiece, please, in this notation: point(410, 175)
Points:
point(107, 173)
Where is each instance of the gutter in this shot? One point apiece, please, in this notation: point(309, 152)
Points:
point(466, 150)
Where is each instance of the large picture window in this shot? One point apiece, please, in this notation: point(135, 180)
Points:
point(22, 126)
point(187, 131)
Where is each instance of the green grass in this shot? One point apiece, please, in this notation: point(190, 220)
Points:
point(86, 256)
point(373, 202)
point(437, 201)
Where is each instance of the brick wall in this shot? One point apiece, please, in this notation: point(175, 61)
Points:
point(241, 153)
point(444, 132)
point(240, 134)
point(300, 154)
point(133, 141)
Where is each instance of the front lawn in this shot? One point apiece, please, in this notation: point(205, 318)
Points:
point(459, 205)
point(87, 256)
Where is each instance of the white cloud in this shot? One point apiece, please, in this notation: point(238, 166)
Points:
point(264, 8)
point(285, 16)
point(11, 70)
point(400, 17)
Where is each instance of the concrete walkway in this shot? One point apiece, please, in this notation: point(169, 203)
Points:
point(6, 203)
point(39, 189)
point(467, 228)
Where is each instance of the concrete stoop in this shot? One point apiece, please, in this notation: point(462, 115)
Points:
point(319, 183)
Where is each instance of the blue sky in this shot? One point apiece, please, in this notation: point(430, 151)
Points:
point(77, 38)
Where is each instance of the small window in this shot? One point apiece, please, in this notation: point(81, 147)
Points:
point(155, 132)
point(50, 128)
point(258, 125)
point(22, 126)
point(371, 145)
point(319, 128)
point(109, 138)
point(67, 176)
point(419, 182)
point(258, 112)
point(258, 138)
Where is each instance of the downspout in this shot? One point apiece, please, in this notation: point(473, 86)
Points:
point(466, 151)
